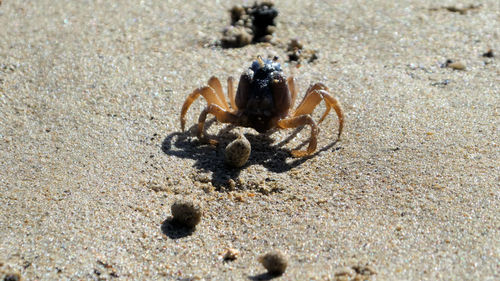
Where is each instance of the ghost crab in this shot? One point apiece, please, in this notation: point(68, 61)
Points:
point(262, 102)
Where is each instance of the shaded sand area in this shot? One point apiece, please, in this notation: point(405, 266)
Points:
point(92, 157)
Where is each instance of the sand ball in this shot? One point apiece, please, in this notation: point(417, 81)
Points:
point(457, 65)
point(187, 213)
point(275, 262)
point(238, 152)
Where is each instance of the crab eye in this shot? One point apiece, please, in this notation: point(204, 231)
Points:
point(255, 66)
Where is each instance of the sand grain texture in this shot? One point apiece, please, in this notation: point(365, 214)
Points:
point(92, 157)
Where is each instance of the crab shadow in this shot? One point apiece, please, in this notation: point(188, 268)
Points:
point(274, 157)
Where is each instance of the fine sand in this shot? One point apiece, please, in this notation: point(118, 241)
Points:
point(92, 155)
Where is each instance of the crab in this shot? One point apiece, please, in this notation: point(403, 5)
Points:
point(263, 101)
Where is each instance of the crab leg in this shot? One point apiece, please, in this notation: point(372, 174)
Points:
point(230, 93)
point(315, 94)
point(215, 84)
point(220, 114)
point(335, 104)
point(297, 121)
point(293, 90)
point(310, 101)
point(207, 92)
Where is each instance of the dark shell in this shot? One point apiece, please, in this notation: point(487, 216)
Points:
point(263, 95)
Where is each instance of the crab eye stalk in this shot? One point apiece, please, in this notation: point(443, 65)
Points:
point(260, 61)
point(264, 67)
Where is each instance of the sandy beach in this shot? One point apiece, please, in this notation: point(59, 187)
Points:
point(92, 155)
